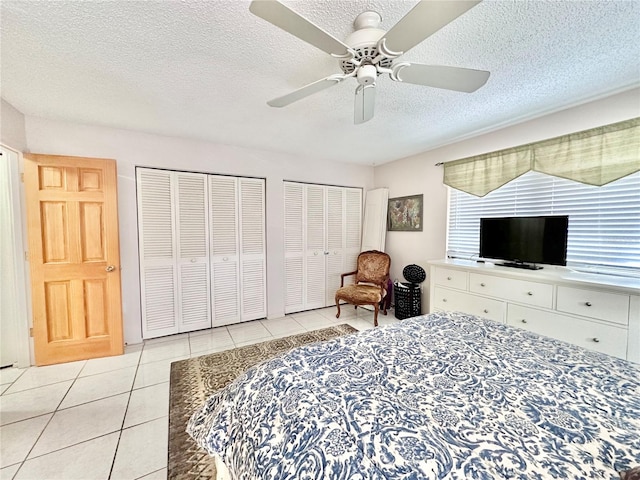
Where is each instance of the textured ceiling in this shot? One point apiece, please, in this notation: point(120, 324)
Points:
point(205, 70)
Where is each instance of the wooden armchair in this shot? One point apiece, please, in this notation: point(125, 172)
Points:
point(370, 284)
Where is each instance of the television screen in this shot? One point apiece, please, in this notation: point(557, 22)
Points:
point(524, 241)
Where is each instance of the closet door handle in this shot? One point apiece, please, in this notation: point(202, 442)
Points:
point(596, 340)
point(524, 320)
point(110, 268)
point(588, 304)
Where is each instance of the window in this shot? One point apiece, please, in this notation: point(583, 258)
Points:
point(604, 222)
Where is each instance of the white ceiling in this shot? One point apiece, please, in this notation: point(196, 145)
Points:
point(205, 70)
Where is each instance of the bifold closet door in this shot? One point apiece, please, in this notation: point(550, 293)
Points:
point(174, 253)
point(344, 220)
point(238, 249)
point(193, 252)
point(315, 271)
point(253, 255)
point(158, 269)
point(322, 241)
point(294, 224)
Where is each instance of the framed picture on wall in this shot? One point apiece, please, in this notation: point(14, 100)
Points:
point(405, 214)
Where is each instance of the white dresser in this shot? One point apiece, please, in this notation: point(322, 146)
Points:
point(599, 312)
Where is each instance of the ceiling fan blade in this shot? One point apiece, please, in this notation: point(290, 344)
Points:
point(365, 102)
point(426, 18)
point(438, 76)
point(305, 91)
point(281, 16)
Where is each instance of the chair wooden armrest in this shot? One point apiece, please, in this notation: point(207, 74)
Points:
point(383, 285)
point(342, 275)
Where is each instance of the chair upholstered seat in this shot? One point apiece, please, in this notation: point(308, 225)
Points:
point(370, 283)
point(360, 294)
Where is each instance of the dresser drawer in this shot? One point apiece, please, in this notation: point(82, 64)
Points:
point(521, 291)
point(611, 307)
point(592, 335)
point(450, 278)
point(455, 301)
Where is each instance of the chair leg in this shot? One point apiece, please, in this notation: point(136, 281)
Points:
point(375, 314)
point(338, 305)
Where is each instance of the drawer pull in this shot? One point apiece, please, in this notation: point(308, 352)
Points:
point(530, 294)
point(448, 278)
point(444, 300)
point(524, 320)
point(596, 339)
point(588, 304)
point(482, 284)
point(486, 311)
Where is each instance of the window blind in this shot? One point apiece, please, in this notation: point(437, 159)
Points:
point(604, 222)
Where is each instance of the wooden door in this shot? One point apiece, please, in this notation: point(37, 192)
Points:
point(74, 255)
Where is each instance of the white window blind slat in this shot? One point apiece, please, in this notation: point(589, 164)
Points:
point(604, 222)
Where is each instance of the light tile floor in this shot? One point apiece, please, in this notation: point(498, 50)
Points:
point(107, 418)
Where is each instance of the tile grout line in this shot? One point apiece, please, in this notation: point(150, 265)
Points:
point(115, 452)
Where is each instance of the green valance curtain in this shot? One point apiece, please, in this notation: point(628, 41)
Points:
point(595, 157)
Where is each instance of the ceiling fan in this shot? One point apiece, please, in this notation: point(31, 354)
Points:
point(370, 51)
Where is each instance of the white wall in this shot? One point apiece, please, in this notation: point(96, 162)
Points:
point(418, 174)
point(12, 128)
point(132, 149)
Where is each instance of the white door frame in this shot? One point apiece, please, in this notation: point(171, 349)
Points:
point(20, 320)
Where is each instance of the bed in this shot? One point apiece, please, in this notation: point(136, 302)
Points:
point(439, 396)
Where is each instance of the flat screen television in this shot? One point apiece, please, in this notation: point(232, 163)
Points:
point(524, 242)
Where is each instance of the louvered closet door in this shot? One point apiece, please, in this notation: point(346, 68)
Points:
point(315, 272)
point(193, 252)
point(335, 241)
point(353, 228)
point(252, 249)
point(225, 267)
point(158, 282)
point(294, 253)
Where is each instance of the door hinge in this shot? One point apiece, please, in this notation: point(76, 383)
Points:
point(26, 256)
point(22, 177)
point(31, 331)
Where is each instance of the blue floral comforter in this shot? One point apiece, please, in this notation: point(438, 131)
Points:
point(441, 396)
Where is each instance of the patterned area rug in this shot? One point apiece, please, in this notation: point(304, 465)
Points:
point(195, 379)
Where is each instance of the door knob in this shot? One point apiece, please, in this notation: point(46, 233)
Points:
point(110, 268)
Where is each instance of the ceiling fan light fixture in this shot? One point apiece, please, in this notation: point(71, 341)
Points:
point(367, 74)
